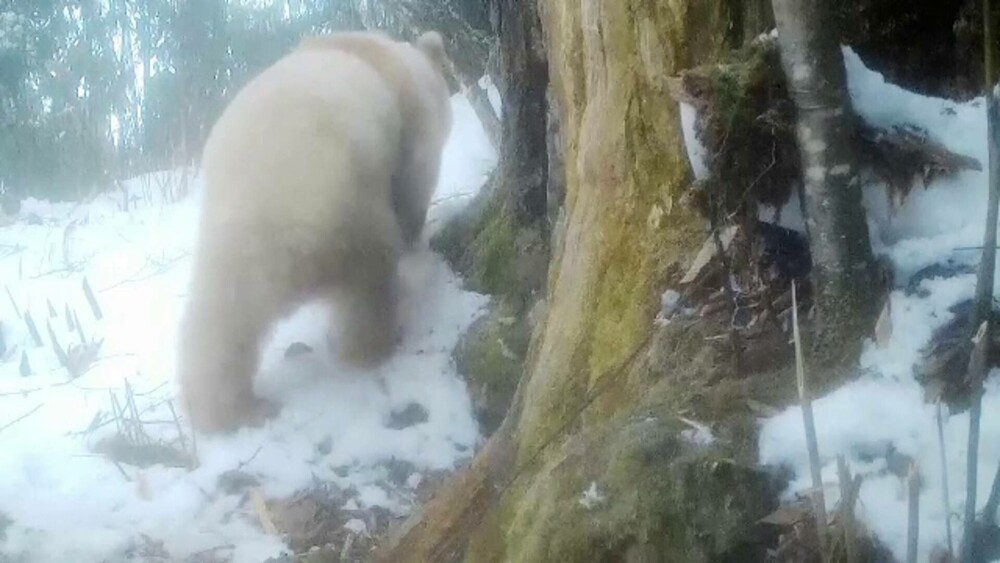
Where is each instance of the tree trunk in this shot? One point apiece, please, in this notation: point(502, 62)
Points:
point(525, 76)
point(976, 534)
point(480, 101)
point(589, 464)
point(843, 264)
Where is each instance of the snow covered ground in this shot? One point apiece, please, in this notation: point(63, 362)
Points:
point(885, 405)
point(62, 501)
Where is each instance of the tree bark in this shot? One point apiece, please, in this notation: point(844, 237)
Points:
point(843, 264)
point(617, 130)
point(525, 77)
point(556, 188)
point(975, 533)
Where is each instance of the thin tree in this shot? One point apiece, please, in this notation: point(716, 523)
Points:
point(843, 264)
point(981, 317)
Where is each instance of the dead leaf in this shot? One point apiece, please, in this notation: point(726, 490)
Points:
point(259, 507)
point(786, 516)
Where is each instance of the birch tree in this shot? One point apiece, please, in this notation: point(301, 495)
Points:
point(843, 264)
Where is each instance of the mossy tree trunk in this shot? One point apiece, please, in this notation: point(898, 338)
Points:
point(594, 417)
point(843, 264)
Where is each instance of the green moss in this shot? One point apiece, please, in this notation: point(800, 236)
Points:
point(455, 238)
point(646, 233)
point(670, 500)
point(490, 357)
point(496, 256)
point(636, 486)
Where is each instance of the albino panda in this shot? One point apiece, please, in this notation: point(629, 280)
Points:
point(318, 176)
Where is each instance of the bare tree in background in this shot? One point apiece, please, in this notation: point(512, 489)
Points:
point(843, 263)
point(472, 45)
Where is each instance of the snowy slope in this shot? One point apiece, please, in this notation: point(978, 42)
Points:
point(67, 503)
point(885, 405)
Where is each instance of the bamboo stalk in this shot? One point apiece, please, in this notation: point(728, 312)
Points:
point(985, 282)
point(17, 310)
point(818, 500)
point(945, 497)
point(92, 300)
point(32, 328)
point(913, 522)
point(977, 370)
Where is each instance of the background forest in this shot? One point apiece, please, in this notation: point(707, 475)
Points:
point(96, 91)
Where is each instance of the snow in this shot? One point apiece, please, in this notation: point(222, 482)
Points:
point(885, 406)
point(591, 497)
point(68, 503)
point(491, 92)
point(698, 434)
point(696, 151)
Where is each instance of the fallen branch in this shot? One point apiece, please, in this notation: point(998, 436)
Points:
point(818, 500)
point(913, 520)
point(944, 481)
point(246, 462)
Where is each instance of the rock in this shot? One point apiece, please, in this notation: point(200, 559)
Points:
point(399, 471)
point(234, 482)
point(325, 446)
point(670, 302)
point(411, 415)
point(297, 349)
